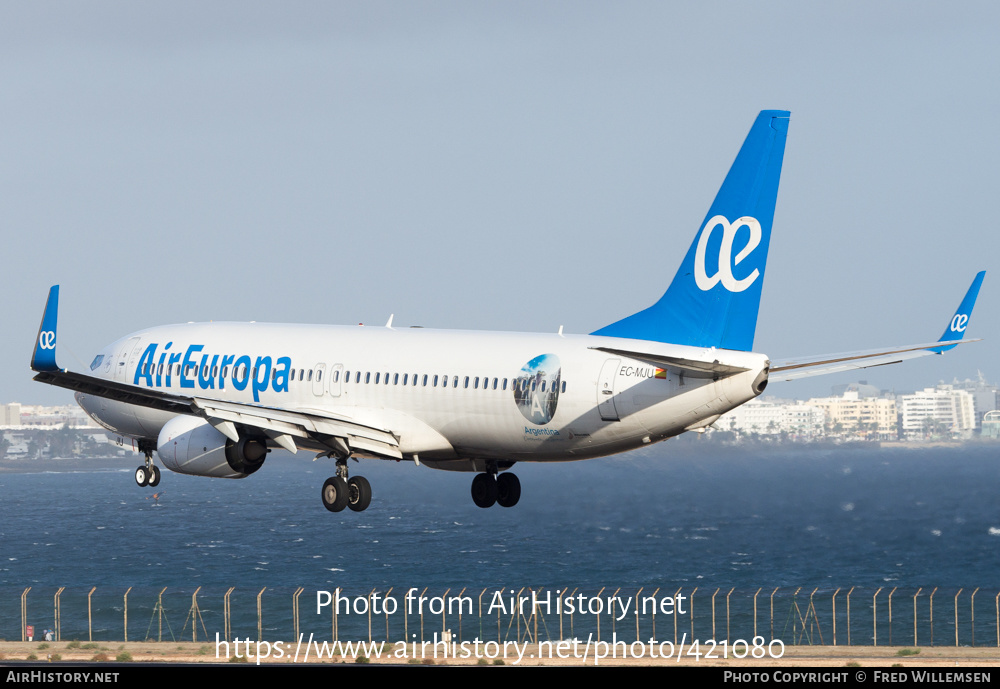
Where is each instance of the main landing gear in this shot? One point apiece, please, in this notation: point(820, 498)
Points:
point(488, 488)
point(147, 474)
point(340, 491)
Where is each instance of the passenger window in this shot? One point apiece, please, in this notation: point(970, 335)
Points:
point(504, 383)
point(386, 378)
point(319, 375)
point(454, 383)
point(368, 378)
point(425, 380)
point(336, 376)
point(564, 386)
point(406, 377)
point(310, 374)
point(435, 381)
point(495, 383)
point(467, 382)
point(395, 379)
point(377, 376)
point(475, 383)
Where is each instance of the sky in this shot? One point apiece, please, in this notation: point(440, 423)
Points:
point(493, 165)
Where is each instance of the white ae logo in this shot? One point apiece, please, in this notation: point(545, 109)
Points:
point(724, 274)
point(959, 322)
point(47, 339)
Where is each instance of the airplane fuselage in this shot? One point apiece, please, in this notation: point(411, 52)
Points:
point(453, 399)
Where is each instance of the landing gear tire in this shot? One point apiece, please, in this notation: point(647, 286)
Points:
point(336, 493)
point(141, 477)
point(154, 476)
point(484, 490)
point(359, 493)
point(508, 489)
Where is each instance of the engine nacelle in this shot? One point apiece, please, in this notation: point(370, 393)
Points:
point(190, 445)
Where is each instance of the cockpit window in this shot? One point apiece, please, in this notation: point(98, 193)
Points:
point(96, 362)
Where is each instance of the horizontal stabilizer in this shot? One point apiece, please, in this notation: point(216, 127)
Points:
point(693, 367)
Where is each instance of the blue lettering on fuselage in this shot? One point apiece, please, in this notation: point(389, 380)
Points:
point(212, 370)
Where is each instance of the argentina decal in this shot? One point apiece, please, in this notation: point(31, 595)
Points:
point(536, 390)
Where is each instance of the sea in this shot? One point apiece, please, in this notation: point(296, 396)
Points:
point(715, 524)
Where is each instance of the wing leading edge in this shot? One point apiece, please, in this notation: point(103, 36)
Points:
point(954, 334)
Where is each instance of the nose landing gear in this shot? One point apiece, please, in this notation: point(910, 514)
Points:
point(147, 474)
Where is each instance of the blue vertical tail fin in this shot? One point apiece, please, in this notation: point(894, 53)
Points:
point(714, 297)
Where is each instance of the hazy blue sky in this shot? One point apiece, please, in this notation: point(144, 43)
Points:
point(510, 166)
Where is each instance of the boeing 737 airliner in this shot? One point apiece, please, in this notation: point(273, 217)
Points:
point(211, 399)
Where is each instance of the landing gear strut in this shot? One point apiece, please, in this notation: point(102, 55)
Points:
point(147, 474)
point(339, 491)
point(488, 488)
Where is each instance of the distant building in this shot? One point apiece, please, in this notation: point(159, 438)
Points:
point(985, 397)
point(937, 411)
point(10, 414)
point(773, 417)
point(854, 415)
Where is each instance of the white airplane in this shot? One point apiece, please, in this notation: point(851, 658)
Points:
point(211, 399)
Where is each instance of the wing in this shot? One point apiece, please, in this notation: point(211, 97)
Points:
point(954, 333)
point(283, 426)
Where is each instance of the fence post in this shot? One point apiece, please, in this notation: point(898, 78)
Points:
point(295, 610)
point(835, 616)
point(754, 614)
point(932, 614)
point(159, 607)
point(227, 622)
point(875, 617)
point(260, 616)
point(772, 611)
point(389, 593)
point(713, 615)
point(956, 615)
point(654, 617)
point(637, 595)
point(973, 607)
point(691, 608)
point(58, 614)
point(126, 612)
point(444, 609)
point(915, 615)
point(890, 613)
point(728, 634)
point(849, 615)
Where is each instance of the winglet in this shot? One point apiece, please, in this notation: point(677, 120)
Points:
point(960, 321)
point(44, 356)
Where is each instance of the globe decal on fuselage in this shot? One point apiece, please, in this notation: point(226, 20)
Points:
point(536, 389)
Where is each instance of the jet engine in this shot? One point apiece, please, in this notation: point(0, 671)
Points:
point(190, 445)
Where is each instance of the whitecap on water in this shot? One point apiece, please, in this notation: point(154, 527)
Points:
point(994, 531)
point(937, 532)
